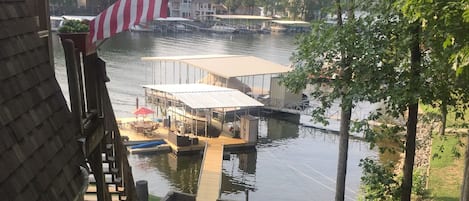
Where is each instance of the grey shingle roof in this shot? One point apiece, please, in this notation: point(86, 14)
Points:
point(39, 154)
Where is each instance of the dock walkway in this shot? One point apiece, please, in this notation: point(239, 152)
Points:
point(210, 178)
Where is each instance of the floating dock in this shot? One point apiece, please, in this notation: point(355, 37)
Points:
point(210, 174)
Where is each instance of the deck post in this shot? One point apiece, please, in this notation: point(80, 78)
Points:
point(222, 119)
point(262, 92)
point(192, 123)
point(91, 79)
point(196, 128)
point(252, 85)
point(206, 126)
point(76, 99)
point(187, 73)
point(160, 71)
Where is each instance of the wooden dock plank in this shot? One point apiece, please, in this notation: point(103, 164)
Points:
point(210, 180)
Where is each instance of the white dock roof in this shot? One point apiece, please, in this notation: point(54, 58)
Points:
point(228, 65)
point(202, 96)
point(243, 17)
point(289, 22)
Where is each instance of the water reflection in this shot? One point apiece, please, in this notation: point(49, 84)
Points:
point(182, 172)
point(239, 173)
point(291, 160)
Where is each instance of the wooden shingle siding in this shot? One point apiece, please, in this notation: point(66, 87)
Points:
point(15, 45)
point(37, 137)
point(11, 28)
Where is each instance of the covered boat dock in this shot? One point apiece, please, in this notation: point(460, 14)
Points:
point(249, 74)
point(190, 106)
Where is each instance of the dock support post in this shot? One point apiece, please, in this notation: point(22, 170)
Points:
point(206, 125)
point(142, 190)
point(222, 120)
point(262, 92)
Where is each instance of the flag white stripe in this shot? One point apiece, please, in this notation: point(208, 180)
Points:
point(96, 28)
point(143, 19)
point(133, 12)
point(120, 16)
point(107, 22)
point(158, 4)
point(106, 25)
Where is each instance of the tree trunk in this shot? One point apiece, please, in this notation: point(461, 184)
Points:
point(444, 114)
point(345, 114)
point(415, 57)
point(465, 181)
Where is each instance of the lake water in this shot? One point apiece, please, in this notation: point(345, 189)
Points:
point(291, 162)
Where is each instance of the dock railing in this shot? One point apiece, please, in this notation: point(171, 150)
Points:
point(202, 165)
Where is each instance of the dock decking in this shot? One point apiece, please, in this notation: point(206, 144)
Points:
point(209, 185)
point(210, 178)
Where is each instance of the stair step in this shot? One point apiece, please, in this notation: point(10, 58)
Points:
point(109, 159)
point(108, 180)
point(109, 146)
point(106, 170)
point(111, 189)
point(93, 197)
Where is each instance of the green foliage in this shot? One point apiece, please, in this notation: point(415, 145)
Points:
point(378, 181)
point(419, 182)
point(445, 150)
point(74, 26)
point(448, 23)
point(446, 168)
point(153, 198)
point(456, 116)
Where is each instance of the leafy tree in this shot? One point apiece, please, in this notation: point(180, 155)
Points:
point(249, 4)
point(351, 52)
point(447, 25)
point(295, 9)
point(378, 181)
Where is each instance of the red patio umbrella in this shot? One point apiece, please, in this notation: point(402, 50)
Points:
point(143, 111)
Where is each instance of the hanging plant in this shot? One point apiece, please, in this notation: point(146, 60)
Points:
point(77, 31)
point(74, 26)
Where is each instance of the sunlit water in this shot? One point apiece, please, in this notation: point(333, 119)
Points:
point(291, 162)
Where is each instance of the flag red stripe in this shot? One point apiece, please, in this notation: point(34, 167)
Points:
point(126, 16)
point(122, 15)
point(151, 11)
point(91, 30)
point(100, 34)
point(113, 21)
point(139, 11)
point(164, 8)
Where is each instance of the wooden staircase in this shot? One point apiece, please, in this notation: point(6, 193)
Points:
point(105, 155)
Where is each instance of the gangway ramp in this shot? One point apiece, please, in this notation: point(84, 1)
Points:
point(210, 178)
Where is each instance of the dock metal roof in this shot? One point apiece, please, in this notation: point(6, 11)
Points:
point(243, 17)
point(202, 96)
point(228, 65)
point(289, 22)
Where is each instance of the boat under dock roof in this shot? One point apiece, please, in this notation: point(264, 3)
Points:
point(228, 66)
point(202, 96)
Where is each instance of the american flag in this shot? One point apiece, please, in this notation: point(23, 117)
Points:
point(124, 14)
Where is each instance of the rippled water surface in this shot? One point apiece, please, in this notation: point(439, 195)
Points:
point(290, 162)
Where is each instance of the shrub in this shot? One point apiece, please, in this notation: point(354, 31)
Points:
point(74, 26)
